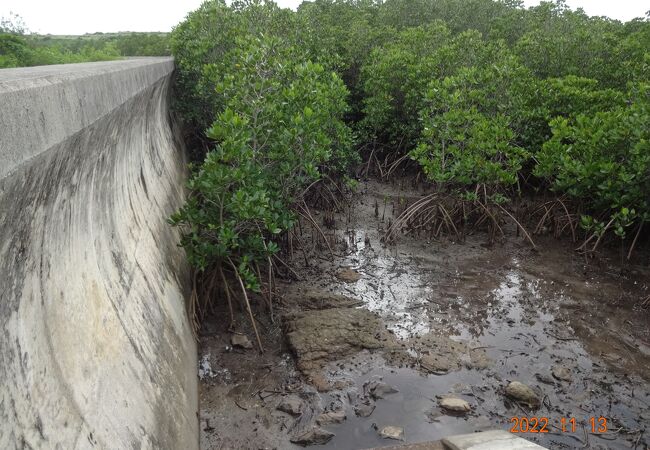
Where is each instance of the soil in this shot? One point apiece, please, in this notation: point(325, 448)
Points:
point(382, 335)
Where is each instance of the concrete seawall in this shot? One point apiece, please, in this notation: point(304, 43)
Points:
point(96, 349)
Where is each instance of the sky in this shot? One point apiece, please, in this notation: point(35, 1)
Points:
point(88, 16)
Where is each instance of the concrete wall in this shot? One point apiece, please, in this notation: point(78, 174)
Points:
point(95, 345)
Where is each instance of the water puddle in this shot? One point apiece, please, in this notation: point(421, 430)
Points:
point(531, 313)
point(577, 335)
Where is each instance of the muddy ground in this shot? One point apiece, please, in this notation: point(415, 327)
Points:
point(378, 336)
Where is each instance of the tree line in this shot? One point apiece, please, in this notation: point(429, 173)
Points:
point(20, 48)
point(487, 100)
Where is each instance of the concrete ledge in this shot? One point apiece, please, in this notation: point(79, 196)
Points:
point(489, 440)
point(42, 106)
point(486, 440)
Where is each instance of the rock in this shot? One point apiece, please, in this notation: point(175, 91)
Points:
point(390, 432)
point(320, 336)
point(292, 405)
point(329, 417)
point(479, 359)
point(379, 389)
point(313, 436)
point(353, 395)
point(348, 275)
point(437, 364)
point(320, 382)
point(522, 393)
point(240, 340)
point(561, 373)
point(364, 409)
point(547, 379)
point(455, 405)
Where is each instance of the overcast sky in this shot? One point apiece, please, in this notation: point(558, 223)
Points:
point(88, 16)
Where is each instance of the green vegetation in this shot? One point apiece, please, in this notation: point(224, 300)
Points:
point(20, 49)
point(275, 117)
point(491, 100)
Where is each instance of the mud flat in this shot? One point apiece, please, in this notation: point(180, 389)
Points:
point(430, 336)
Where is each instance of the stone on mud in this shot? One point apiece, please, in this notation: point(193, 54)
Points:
point(391, 432)
point(241, 340)
point(561, 373)
point(291, 405)
point(522, 393)
point(546, 379)
point(364, 409)
point(330, 417)
point(379, 389)
point(438, 363)
point(320, 382)
point(454, 404)
point(320, 336)
point(348, 275)
point(313, 436)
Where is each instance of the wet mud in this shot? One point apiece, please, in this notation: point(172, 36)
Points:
point(381, 335)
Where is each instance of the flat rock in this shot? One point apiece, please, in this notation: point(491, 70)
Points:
point(364, 409)
point(391, 432)
point(313, 436)
point(348, 275)
point(240, 340)
point(330, 417)
point(454, 404)
point(319, 336)
point(522, 393)
point(546, 379)
point(561, 373)
point(291, 404)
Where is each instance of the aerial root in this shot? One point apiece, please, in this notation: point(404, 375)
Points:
point(440, 212)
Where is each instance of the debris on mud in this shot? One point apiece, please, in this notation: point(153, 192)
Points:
point(331, 417)
point(291, 404)
point(241, 341)
point(522, 394)
point(348, 275)
point(205, 368)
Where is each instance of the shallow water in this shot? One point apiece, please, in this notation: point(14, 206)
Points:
point(529, 311)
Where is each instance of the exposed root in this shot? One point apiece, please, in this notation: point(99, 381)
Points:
point(443, 212)
point(248, 305)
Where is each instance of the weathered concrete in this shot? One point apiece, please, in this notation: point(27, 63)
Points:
point(95, 345)
point(485, 440)
point(489, 440)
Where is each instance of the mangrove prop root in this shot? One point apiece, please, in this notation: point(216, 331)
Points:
point(248, 305)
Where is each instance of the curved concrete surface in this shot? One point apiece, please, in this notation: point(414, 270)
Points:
point(96, 350)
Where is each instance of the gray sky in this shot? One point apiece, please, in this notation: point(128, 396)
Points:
point(87, 16)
